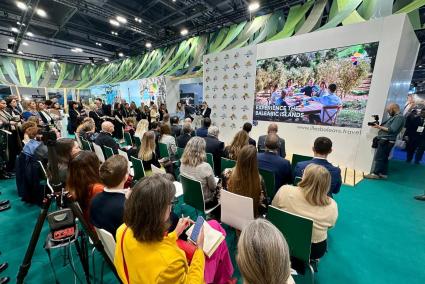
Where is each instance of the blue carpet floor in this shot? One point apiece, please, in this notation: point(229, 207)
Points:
point(379, 236)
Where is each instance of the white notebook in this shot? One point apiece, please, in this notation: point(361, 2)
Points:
point(212, 238)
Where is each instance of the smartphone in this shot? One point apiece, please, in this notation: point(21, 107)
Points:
point(197, 229)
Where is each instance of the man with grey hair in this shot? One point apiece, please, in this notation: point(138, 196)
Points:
point(185, 135)
point(272, 129)
point(215, 147)
point(105, 139)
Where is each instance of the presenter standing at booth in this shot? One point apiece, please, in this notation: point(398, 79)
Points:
point(206, 111)
point(388, 131)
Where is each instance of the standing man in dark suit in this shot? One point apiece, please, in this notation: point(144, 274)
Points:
point(215, 147)
point(247, 127)
point(321, 149)
point(203, 131)
point(185, 135)
point(415, 136)
point(206, 111)
point(270, 161)
point(176, 129)
point(272, 129)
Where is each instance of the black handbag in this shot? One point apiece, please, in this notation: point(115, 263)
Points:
point(375, 142)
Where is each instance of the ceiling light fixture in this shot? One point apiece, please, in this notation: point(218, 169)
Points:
point(54, 60)
point(20, 52)
point(30, 34)
point(148, 45)
point(106, 59)
point(25, 43)
point(253, 6)
point(11, 40)
point(184, 32)
point(77, 50)
point(41, 13)
point(138, 20)
point(9, 50)
point(20, 24)
point(15, 30)
point(120, 54)
point(114, 22)
point(114, 33)
point(121, 19)
point(21, 5)
point(98, 44)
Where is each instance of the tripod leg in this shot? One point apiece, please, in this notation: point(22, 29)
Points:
point(26, 263)
point(83, 260)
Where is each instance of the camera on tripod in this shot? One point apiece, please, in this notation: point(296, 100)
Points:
point(376, 122)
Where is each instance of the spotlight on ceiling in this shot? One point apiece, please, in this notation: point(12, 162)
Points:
point(98, 44)
point(114, 22)
point(30, 34)
point(138, 20)
point(15, 30)
point(76, 50)
point(148, 45)
point(20, 52)
point(11, 40)
point(254, 6)
point(9, 50)
point(20, 24)
point(114, 33)
point(106, 59)
point(184, 32)
point(41, 13)
point(21, 5)
point(121, 19)
point(120, 54)
point(54, 60)
point(25, 43)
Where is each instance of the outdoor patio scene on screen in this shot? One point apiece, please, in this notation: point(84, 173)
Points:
point(300, 88)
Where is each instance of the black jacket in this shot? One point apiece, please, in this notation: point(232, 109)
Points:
point(262, 147)
point(182, 140)
point(216, 148)
point(105, 139)
point(176, 130)
point(207, 113)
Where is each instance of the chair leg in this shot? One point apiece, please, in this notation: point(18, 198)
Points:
point(93, 264)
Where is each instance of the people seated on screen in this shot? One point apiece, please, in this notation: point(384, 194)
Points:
point(248, 127)
point(107, 207)
point(239, 140)
point(323, 89)
point(168, 140)
point(310, 89)
point(147, 151)
point(263, 254)
point(194, 165)
point(215, 147)
point(244, 179)
point(272, 129)
point(143, 247)
point(185, 136)
point(84, 180)
point(290, 87)
point(281, 100)
point(330, 99)
point(176, 128)
point(310, 200)
point(271, 161)
point(203, 131)
point(274, 95)
point(66, 149)
point(322, 148)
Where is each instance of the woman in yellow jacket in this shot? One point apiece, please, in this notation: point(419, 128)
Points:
point(144, 253)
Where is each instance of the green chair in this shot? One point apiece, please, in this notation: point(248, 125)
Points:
point(226, 163)
point(193, 195)
point(297, 180)
point(86, 145)
point(128, 139)
point(297, 231)
point(138, 142)
point(269, 180)
point(108, 152)
point(299, 158)
point(139, 170)
point(179, 153)
point(163, 150)
point(210, 160)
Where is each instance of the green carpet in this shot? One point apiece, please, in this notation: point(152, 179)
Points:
point(379, 236)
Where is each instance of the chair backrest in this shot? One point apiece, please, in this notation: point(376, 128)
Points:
point(122, 153)
point(128, 139)
point(299, 158)
point(108, 152)
point(163, 150)
point(210, 160)
point(269, 180)
point(236, 210)
point(296, 229)
point(99, 153)
point(138, 142)
point(108, 242)
point(179, 153)
point(139, 170)
point(329, 117)
point(297, 180)
point(226, 163)
point(192, 193)
point(86, 145)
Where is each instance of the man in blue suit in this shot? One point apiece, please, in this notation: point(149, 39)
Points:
point(322, 148)
point(203, 131)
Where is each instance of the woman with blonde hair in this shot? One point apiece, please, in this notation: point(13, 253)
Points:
point(147, 151)
point(194, 165)
point(241, 139)
point(141, 128)
point(263, 254)
point(310, 199)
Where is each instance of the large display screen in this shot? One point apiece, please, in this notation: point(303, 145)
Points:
point(325, 87)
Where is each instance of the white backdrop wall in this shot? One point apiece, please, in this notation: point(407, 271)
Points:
point(398, 47)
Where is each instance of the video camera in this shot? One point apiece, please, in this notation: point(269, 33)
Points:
point(376, 122)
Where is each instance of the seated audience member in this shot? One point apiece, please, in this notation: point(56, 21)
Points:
point(248, 127)
point(261, 140)
point(321, 149)
point(263, 254)
point(168, 140)
point(203, 131)
point(105, 139)
point(241, 139)
point(130, 125)
point(176, 129)
point(188, 120)
point(194, 165)
point(166, 119)
point(310, 200)
point(147, 151)
point(26, 125)
point(244, 179)
point(107, 207)
point(146, 220)
point(215, 147)
point(141, 128)
point(185, 136)
point(271, 161)
point(66, 149)
point(83, 180)
point(87, 130)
